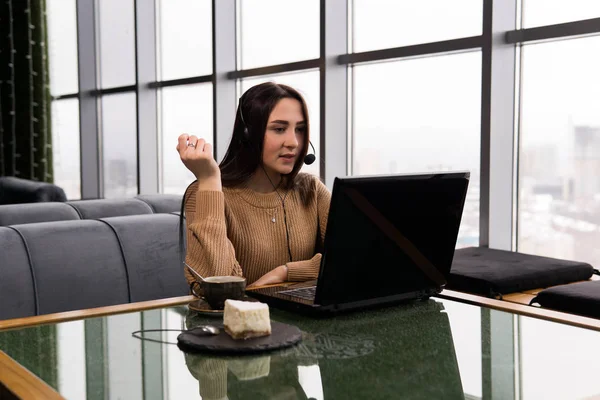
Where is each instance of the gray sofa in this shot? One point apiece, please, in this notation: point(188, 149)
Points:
point(16, 190)
point(14, 214)
point(62, 256)
point(60, 266)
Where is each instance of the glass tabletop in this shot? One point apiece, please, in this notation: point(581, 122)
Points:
point(430, 349)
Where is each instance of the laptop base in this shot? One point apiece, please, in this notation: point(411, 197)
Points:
point(274, 298)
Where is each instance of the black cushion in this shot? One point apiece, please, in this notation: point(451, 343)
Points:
point(493, 272)
point(77, 265)
point(162, 203)
point(17, 191)
point(17, 295)
point(150, 247)
point(16, 214)
point(104, 208)
point(577, 298)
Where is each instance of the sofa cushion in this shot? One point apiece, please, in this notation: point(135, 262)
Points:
point(162, 203)
point(577, 298)
point(16, 214)
point(17, 291)
point(76, 264)
point(104, 208)
point(17, 191)
point(150, 247)
point(492, 272)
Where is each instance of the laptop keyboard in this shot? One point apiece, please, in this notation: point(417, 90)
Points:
point(307, 293)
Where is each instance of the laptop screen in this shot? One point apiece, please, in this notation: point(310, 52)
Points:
point(389, 235)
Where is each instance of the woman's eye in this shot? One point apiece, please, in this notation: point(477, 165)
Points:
point(279, 130)
point(301, 130)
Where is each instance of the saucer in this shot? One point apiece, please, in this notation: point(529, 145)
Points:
point(202, 307)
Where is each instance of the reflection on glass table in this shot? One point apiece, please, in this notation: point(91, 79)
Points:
point(340, 358)
point(428, 349)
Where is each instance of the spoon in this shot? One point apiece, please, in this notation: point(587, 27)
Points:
point(205, 330)
point(193, 271)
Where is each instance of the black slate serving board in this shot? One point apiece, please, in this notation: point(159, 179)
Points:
point(282, 335)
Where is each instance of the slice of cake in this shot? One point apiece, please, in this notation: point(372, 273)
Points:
point(245, 319)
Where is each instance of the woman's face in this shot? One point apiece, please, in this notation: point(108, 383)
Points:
point(284, 137)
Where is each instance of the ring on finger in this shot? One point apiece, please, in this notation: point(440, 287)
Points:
point(192, 145)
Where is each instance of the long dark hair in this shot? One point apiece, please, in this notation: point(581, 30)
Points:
point(245, 151)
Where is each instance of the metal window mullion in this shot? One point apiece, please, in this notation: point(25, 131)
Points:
point(498, 130)
point(275, 69)
point(334, 90)
point(555, 31)
point(183, 81)
point(224, 61)
point(417, 50)
point(148, 160)
point(91, 170)
point(497, 184)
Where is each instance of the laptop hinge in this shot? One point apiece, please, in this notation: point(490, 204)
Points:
point(396, 236)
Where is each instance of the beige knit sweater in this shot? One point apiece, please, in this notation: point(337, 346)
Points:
point(232, 232)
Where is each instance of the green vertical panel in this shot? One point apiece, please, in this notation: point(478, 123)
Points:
point(152, 359)
point(498, 355)
point(7, 118)
point(486, 355)
point(25, 137)
point(35, 349)
point(95, 359)
point(23, 122)
point(42, 138)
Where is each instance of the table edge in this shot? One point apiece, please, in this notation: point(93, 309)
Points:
point(523, 310)
point(23, 383)
point(18, 323)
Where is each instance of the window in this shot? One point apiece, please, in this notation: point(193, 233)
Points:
point(62, 46)
point(307, 83)
point(559, 160)
point(185, 109)
point(421, 115)
point(548, 12)
point(185, 38)
point(119, 145)
point(277, 32)
point(380, 24)
point(62, 54)
point(117, 43)
point(65, 147)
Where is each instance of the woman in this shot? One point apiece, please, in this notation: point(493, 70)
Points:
point(254, 215)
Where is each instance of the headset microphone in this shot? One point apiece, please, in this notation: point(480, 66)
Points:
point(310, 158)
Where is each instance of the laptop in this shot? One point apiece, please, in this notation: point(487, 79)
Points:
point(389, 239)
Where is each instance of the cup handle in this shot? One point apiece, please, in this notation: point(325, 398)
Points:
point(198, 293)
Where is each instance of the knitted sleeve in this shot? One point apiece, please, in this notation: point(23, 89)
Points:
point(306, 270)
point(209, 250)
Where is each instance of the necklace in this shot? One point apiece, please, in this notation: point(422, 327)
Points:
point(273, 220)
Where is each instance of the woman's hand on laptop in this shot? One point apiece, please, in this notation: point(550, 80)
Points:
point(278, 275)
